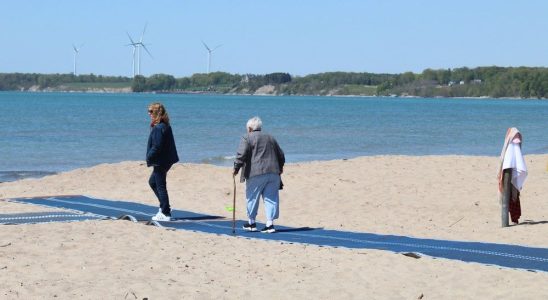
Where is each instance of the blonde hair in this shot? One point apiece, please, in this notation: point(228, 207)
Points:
point(159, 113)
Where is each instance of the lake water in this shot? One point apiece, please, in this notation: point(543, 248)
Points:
point(52, 132)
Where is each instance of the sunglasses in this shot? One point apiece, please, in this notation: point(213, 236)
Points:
point(150, 111)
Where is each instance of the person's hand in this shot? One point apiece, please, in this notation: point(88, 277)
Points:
point(234, 172)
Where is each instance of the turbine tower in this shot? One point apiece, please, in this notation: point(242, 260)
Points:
point(76, 51)
point(137, 51)
point(135, 46)
point(209, 51)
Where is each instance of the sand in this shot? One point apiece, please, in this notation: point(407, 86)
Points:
point(443, 197)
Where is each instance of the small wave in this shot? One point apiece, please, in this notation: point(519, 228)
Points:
point(219, 160)
point(6, 176)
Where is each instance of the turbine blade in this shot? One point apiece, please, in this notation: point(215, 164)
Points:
point(145, 47)
point(216, 48)
point(206, 46)
point(144, 29)
point(131, 40)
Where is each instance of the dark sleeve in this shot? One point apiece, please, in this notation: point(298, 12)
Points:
point(280, 154)
point(242, 154)
point(157, 142)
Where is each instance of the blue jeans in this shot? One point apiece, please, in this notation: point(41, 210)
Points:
point(267, 186)
point(158, 183)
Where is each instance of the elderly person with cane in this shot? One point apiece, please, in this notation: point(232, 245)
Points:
point(511, 176)
point(262, 161)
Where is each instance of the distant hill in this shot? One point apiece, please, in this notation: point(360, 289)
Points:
point(496, 82)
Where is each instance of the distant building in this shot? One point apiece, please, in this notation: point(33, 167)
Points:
point(461, 82)
point(476, 81)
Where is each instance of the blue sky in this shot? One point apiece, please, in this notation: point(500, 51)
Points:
point(259, 36)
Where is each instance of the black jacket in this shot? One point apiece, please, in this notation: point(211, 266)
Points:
point(161, 150)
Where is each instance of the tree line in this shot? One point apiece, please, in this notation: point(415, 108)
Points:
point(520, 82)
point(496, 82)
point(26, 81)
point(213, 82)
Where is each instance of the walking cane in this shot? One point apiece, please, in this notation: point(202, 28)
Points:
point(234, 205)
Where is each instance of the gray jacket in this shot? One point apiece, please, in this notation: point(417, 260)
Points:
point(258, 153)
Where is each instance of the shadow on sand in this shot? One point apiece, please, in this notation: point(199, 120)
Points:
point(532, 222)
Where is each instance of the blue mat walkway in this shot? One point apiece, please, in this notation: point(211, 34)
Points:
point(510, 256)
point(108, 208)
point(45, 217)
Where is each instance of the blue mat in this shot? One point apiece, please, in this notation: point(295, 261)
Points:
point(45, 217)
point(108, 208)
point(510, 256)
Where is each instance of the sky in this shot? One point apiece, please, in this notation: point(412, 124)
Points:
point(299, 37)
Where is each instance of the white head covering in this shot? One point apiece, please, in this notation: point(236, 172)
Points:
point(512, 158)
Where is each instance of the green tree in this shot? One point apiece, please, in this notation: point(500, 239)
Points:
point(138, 84)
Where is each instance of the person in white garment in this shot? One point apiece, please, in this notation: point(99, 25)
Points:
point(511, 176)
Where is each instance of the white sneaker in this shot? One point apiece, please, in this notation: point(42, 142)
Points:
point(161, 217)
point(160, 210)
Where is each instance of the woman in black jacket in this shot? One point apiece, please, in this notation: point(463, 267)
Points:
point(161, 155)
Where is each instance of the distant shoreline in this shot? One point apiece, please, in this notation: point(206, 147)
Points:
point(124, 91)
point(488, 81)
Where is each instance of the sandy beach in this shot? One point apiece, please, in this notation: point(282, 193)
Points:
point(441, 197)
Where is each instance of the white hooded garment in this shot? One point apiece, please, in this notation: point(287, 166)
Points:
point(513, 159)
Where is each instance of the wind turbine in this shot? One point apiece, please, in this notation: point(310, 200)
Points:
point(137, 50)
point(76, 51)
point(209, 51)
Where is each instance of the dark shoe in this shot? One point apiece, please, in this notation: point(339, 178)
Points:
point(268, 229)
point(250, 227)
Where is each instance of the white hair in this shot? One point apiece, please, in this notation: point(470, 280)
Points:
point(255, 123)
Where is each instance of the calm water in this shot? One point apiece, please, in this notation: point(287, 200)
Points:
point(51, 132)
